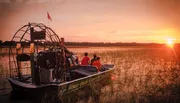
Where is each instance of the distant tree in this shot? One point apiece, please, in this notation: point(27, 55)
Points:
point(8, 43)
point(0, 42)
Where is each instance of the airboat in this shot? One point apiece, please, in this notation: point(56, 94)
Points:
point(38, 64)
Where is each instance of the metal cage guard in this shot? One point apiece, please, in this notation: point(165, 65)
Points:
point(26, 36)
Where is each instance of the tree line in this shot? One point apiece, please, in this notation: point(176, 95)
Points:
point(13, 43)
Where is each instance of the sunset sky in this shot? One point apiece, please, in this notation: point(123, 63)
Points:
point(142, 21)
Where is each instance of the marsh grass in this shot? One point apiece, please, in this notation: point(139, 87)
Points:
point(4, 72)
point(141, 76)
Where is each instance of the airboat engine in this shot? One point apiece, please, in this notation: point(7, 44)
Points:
point(49, 63)
point(46, 60)
point(46, 65)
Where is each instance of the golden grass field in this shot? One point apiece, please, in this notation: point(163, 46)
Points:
point(143, 75)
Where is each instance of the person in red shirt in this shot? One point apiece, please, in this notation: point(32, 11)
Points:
point(85, 60)
point(97, 63)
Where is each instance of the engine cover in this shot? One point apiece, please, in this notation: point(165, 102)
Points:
point(46, 59)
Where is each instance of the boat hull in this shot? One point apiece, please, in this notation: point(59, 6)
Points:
point(95, 81)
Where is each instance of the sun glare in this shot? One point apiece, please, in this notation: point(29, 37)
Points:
point(170, 42)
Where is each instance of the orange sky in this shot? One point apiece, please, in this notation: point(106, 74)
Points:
point(142, 21)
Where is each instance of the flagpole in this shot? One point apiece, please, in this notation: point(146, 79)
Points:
point(48, 23)
point(47, 19)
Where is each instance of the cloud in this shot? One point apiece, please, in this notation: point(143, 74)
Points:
point(95, 20)
point(26, 1)
point(15, 1)
point(29, 1)
point(4, 1)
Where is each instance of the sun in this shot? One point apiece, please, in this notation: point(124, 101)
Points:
point(170, 42)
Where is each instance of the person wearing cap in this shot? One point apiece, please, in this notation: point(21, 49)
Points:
point(94, 58)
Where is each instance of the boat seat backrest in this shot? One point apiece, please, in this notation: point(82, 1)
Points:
point(87, 68)
point(91, 68)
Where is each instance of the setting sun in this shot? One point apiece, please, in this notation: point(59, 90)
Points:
point(170, 42)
